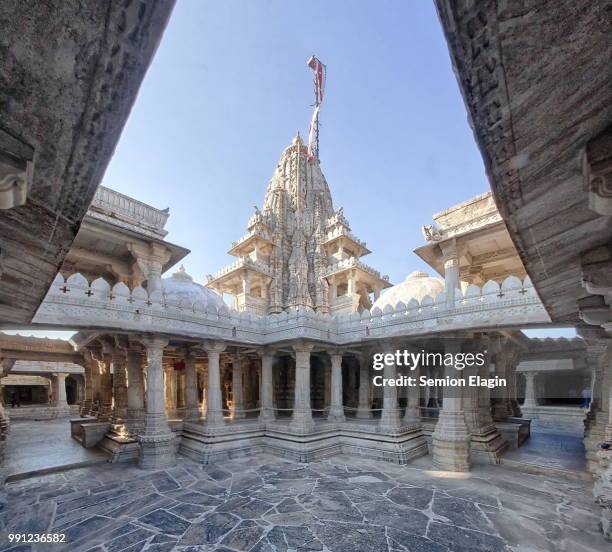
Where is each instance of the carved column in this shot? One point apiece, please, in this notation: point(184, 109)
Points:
point(450, 257)
point(451, 438)
point(89, 364)
point(60, 394)
point(531, 400)
point(602, 489)
point(237, 388)
point(302, 412)
point(170, 388)
point(597, 418)
point(192, 410)
point(363, 407)
point(336, 409)
point(515, 409)
point(390, 415)
point(135, 391)
point(157, 450)
point(327, 383)
point(214, 412)
point(413, 412)
point(504, 362)
point(106, 389)
point(150, 260)
point(119, 386)
point(266, 412)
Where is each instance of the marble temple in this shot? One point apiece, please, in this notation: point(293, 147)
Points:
point(243, 410)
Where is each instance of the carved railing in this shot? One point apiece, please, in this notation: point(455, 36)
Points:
point(353, 262)
point(119, 207)
point(241, 262)
point(75, 303)
point(342, 231)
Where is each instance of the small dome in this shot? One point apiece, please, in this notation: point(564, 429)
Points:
point(417, 285)
point(181, 285)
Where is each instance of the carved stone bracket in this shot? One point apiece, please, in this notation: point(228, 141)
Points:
point(597, 171)
point(16, 167)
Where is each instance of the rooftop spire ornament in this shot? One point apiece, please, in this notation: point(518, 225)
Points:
point(319, 71)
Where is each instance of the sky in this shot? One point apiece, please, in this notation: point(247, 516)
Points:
point(229, 88)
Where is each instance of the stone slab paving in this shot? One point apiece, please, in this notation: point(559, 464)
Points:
point(267, 504)
point(27, 439)
point(556, 450)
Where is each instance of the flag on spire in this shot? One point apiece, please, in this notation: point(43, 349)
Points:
point(319, 70)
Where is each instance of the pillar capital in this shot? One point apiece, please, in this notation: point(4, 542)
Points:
point(154, 344)
point(265, 351)
point(303, 347)
point(212, 346)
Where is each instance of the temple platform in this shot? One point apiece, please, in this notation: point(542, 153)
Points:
point(319, 440)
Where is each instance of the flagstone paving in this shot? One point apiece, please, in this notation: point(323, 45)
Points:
point(267, 504)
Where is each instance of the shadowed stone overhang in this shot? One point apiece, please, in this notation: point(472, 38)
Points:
point(69, 74)
point(536, 79)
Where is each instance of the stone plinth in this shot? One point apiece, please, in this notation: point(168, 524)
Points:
point(451, 442)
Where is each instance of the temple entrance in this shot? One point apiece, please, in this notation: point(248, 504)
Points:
point(71, 390)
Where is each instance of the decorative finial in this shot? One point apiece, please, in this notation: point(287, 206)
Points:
point(297, 141)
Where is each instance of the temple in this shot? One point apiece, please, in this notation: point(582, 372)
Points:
point(243, 412)
point(299, 251)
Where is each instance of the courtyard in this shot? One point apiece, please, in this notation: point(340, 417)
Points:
point(265, 503)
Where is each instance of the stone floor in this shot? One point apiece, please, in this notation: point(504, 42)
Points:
point(267, 504)
point(560, 451)
point(34, 447)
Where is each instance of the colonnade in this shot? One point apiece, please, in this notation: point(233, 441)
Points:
point(147, 392)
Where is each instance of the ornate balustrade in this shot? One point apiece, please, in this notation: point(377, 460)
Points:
point(241, 262)
point(75, 303)
point(122, 209)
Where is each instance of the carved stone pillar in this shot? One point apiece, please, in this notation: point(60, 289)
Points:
point(336, 409)
point(60, 392)
point(157, 449)
point(451, 438)
point(214, 411)
point(170, 388)
point(150, 260)
point(135, 391)
point(119, 387)
point(192, 410)
point(501, 404)
point(602, 489)
point(327, 383)
point(515, 409)
point(89, 364)
point(180, 389)
point(363, 407)
point(106, 389)
point(266, 412)
point(302, 412)
point(531, 399)
point(413, 412)
point(237, 388)
point(390, 415)
point(450, 257)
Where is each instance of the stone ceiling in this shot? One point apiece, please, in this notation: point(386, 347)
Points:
point(69, 74)
point(536, 78)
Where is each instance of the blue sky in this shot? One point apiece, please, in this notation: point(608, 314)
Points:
point(229, 88)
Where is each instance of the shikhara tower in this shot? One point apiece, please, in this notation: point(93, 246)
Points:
point(298, 251)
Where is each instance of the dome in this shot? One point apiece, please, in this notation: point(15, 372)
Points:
point(417, 285)
point(181, 285)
